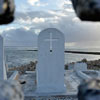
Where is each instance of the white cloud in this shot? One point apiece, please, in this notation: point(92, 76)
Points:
point(6, 29)
point(67, 5)
point(76, 19)
point(37, 3)
point(20, 37)
point(77, 33)
point(30, 20)
point(32, 2)
point(69, 10)
point(67, 2)
point(38, 20)
point(41, 4)
point(24, 21)
point(37, 31)
point(70, 44)
point(59, 13)
point(26, 28)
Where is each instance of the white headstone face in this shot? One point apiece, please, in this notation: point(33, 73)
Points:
point(3, 75)
point(50, 68)
point(70, 66)
point(80, 67)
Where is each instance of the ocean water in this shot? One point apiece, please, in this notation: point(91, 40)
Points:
point(20, 56)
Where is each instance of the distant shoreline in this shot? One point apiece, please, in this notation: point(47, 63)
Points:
point(76, 52)
point(31, 66)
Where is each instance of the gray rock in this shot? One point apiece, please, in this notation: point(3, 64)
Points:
point(88, 10)
point(7, 9)
point(89, 90)
point(10, 91)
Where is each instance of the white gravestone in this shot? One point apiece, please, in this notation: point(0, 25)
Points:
point(70, 66)
point(3, 75)
point(50, 68)
point(80, 67)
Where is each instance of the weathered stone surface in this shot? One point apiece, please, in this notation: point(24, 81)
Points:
point(80, 67)
point(50, 61)
point(3, 74)
point(68, 97)
point(70, 66)
point(10, 91)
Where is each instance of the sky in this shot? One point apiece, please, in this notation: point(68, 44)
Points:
point(33, 16)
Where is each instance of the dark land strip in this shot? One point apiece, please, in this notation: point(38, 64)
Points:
point(76, 52)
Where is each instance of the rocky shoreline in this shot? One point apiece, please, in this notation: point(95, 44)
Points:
point(28, 67)
point(92, 65)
